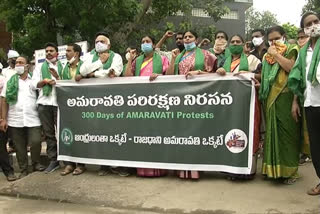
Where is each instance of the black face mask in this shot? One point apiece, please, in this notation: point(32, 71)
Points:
point(13, 62)
point(181, 47)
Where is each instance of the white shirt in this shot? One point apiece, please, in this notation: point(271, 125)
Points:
point(24, 112)
point(311, 93)
point(88, 66)
point(50, 100)
point(8, 72)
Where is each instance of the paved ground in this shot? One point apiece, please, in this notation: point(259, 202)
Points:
point(10, 205)
point(213, 194)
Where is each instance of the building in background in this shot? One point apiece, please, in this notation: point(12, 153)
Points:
point(232, 23)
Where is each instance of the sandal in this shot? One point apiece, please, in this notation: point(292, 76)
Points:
point(315, 190)
point(79, 170)
point(67, 170)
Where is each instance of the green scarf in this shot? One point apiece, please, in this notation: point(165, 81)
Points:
point(107, 64)
point(47, 75)
point(156, 67)
point(270, 72)
point(297, 77)
point(221, 57)
point(244, 66)
point(199, 61)
point(12, 89)
point(66, 74)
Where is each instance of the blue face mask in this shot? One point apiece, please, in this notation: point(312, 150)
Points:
point(189, 46)
point(146, 48)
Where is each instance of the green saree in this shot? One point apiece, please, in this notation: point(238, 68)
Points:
point(283, 135)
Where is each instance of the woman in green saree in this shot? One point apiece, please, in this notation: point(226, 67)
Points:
point(282, 141)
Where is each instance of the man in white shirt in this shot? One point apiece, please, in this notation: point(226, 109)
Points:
point(4, 157)
point(101, 62)
point(20, 116)
point(44, 79)
point(12, 57)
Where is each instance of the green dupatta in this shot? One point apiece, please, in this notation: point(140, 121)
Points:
point(270, 72)
point(244, 65)
point(108, 63)
point(66, 73)
point(12, 90)
point(199, 61)
point(297, 77)
point(157, 66)
point(47, 89)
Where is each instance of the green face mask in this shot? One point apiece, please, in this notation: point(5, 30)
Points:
point(236, 49)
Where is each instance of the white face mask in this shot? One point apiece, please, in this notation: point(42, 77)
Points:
point(312, 31)
point(128, 56)
point(19, 70)
point(101, 47)
point(71, 60)
point(281, 41)
point(257, 41)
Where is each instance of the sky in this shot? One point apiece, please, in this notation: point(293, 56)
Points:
point(285, 10)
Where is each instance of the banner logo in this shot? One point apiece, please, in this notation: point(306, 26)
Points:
point(236, 141)
point(67, 136)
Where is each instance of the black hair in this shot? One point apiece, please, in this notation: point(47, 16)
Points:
point(51, 44)
point(102, 33)
point(25, 57)
point(263, 32)
point(241, 38)
point(192, 32)
point(179, 33)
point(277, 28)
point(300, 31)
point(305, 15)
point(224, 33)
point(76, 48)
point(152, 39)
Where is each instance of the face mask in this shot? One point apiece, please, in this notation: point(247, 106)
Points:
point(189, 46)
point(13, 62)
point(19, 69)
point(257, 41)
point(312, 31)
point(146, 48)
point(236, 49)
point(71, 60)
point(101, 47)
point(128, 56)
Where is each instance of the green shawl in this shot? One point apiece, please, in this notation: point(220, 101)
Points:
point(199, 61)
point(12, 89)
point(157, 66)
point(297, 77)
point(244, 65)
point(47, 75)
point(107, 64)
point(221, 57)
point(270, 72)
point(66, 73)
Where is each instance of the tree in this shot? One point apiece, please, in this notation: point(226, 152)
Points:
point(291, 30)
point(312, 5)
point(259, 20)
point(35, 22)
